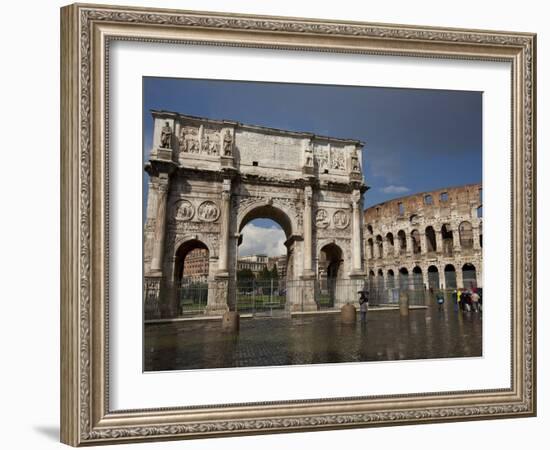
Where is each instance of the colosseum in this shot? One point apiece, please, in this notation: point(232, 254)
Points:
point(426, 241)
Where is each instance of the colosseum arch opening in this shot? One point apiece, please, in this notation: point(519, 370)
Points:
point(390, 279)
point(465, 232)
point(450, 276)
point(402, 239)
point(433, 278)
point(431, 240)
point(208, 177)
point(448, 240)
point(469, 276)
point(404, 278)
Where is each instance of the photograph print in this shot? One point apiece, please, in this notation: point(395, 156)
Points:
point(295, 224)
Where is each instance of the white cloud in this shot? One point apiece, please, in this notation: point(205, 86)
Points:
point(392, 189)
point(265, 241)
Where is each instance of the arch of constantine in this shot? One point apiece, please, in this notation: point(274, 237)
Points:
point(209, 178)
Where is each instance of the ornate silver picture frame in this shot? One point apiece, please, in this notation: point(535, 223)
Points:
point(87, 32)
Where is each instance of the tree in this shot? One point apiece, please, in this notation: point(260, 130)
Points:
point(265, 274)
point(245, 275)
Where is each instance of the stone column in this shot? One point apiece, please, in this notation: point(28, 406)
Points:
point(396, 246)
point(160, 224)
point(410, 245)
point(442, 281)
point(475, 236)
point(218, 287)
point(308, 233)
point(376, 249)
point(479, 274)
point(459, 278)
point(423, 243)
point(389, 249)
point(439, 241)
point(356, 232)
point(305, 292)
point(456, 240)
point(225, 226)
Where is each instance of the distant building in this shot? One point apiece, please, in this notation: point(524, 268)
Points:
point(195, 268)
point(280, 263)
point(254, 263)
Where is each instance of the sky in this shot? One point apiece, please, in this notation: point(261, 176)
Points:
point(415, 139)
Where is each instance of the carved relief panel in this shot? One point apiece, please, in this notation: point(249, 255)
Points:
point(321, 157)
point(337, 158)
point(208, 211)
point(201, 140)
point(210, 144)
point(189, 139)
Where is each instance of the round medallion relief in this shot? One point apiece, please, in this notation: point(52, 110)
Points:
point(208, 211)
point(340, 219)
point(185, 210)
point(321, 218)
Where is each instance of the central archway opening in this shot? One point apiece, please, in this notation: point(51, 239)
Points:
point(264, 261)
point(330, 272)
point(191, 270)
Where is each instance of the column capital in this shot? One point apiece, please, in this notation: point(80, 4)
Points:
point(226, 185)
point(355, 196)
point(226, 189)
point(162, 181)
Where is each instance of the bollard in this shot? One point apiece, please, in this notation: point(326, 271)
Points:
point(230, 321)
point(348, 313)
point(404, 303)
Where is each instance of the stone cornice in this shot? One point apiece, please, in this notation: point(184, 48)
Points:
point(258, 128)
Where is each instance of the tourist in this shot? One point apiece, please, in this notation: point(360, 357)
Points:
point(454, 296)
point(363, 305)
point(440, 299)
point(467, 300)
point(459, 299)
point(475, 301)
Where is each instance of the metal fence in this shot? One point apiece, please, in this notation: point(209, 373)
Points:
point(165, 299)
point(191, 298)
point(275, 297)
point(384, 293)
point(261, 297)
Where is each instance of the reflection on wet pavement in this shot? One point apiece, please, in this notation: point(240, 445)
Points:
point(313, 339)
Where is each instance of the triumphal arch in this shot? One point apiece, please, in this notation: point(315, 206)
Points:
point(209, 178)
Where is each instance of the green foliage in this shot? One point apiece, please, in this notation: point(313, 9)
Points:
point(245, 275)
point(264, 275)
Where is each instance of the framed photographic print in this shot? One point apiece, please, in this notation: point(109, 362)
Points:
point(279, 224)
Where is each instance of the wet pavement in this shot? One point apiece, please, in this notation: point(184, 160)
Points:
point(313, 339)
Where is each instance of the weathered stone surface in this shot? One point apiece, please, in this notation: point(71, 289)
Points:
point(427, 233)
point(215, 176)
